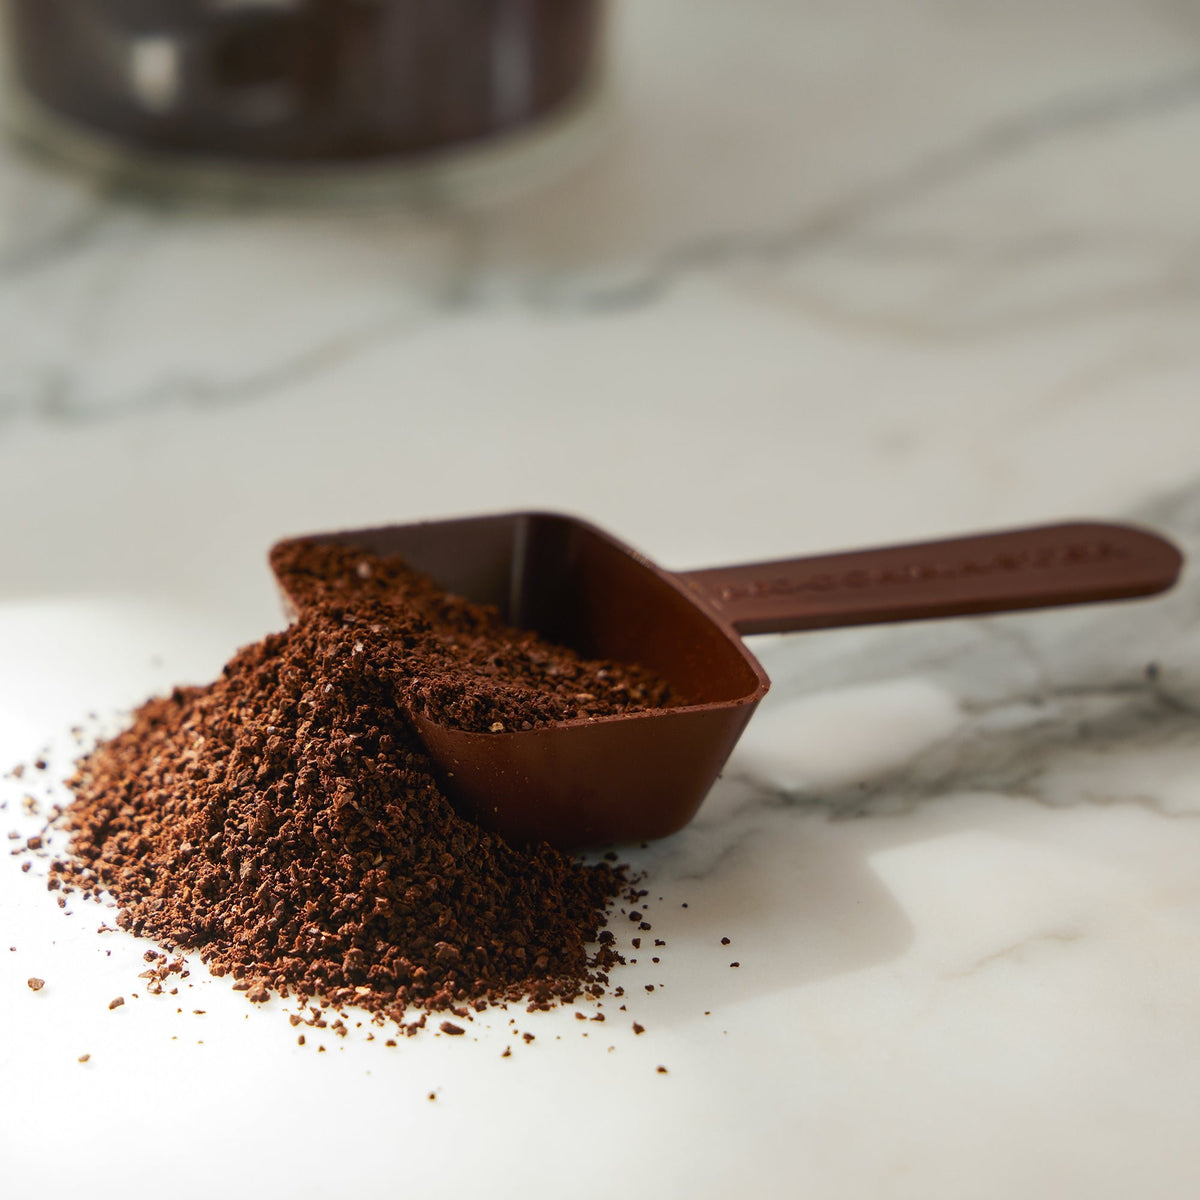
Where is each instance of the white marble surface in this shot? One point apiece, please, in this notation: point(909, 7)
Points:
point(841, 274)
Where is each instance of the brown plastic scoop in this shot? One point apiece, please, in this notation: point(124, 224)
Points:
point(594, 781)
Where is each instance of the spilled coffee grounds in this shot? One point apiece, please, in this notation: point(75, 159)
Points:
point(285, 823)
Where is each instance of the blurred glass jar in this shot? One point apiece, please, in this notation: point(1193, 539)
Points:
point(259, 83)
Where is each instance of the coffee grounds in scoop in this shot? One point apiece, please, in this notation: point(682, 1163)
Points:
point(284, 822)
point(462, 665)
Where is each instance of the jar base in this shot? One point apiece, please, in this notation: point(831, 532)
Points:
point(488, 170)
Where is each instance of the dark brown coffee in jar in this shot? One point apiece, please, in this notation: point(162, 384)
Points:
point(301, 80)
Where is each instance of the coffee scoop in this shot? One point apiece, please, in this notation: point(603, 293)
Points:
point(599, 780)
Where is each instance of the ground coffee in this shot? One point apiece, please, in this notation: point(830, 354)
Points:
point(456, 661)
point(284, 822)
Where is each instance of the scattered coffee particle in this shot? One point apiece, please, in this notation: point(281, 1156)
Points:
point(284, 821)
point(433, 1095)
point(450, 1028)
point(507, 1052)
point(26, 865)
point(659, 942)
point(656, 959)
point(320, 1049)
point(300, 1040)
point(661, 1070)
point(34, 984)
point(638, 1028)
point(258, 994)
point(636, 943)
point(725, 941)
point(40, 764)
point(84, 1058)
point(390, 1042)
point(116, 1003)
point(735, 964)
point(649, 987)
point(528, 1037)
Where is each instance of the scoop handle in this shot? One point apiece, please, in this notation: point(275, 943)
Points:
point(986, 573)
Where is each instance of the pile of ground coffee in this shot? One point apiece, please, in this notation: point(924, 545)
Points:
point(284, 822)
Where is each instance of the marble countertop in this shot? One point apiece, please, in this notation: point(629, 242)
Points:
point(836, 275)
